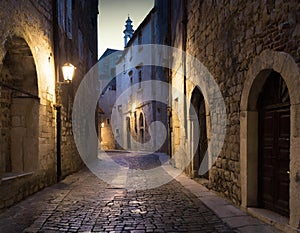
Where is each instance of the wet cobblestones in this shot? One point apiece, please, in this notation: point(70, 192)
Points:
point(93, 206)
point(84, 203)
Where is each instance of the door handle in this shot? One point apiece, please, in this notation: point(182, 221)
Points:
point(288, 172)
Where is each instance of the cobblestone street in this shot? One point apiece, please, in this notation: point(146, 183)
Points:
point(84, 203)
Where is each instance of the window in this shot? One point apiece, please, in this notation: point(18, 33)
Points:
point(113, 72)
point(64, 13)
point(80, 45)
point(82, 3)
point(69, 19)
point(130, 75)
point(135, 122)
point(113, 84)
point(140, 41)
point(140, 78)
point(140, 38)
point(61, 14)
point(90, 58)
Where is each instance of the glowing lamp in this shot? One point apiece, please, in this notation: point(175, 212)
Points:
point(68, 72)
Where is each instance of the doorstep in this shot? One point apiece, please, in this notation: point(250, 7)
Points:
point(238, 220)
point(272, 218)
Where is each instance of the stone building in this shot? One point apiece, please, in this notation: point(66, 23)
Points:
point(37, 38)
point(251, 50)
point(108, 96)
point(75, 41)
point(134, 111)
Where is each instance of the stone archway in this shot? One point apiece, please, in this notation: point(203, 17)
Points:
point(198, 103)
point(274, 145)
point(19, 90)
point(263, 65)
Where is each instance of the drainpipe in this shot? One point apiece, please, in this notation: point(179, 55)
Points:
point(57, 106)
point(184, 39)
point(170, 43)
point(58, 142)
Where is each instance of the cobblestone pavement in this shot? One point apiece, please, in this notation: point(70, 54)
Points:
point(84, 203)
point(141, 161)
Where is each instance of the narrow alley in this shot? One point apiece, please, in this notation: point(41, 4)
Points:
point(149, 116)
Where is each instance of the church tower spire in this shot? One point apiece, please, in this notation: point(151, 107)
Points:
point(128, 32)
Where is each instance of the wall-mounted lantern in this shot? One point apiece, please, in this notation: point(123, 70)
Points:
point(102, 125)
point(68, 72)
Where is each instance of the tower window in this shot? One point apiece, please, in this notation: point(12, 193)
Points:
point(140, 78)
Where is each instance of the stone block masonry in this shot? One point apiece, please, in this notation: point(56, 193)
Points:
point(231, 39)
point(28, 74)
point(225, 38)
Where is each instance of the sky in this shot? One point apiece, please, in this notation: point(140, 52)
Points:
point(112, 17)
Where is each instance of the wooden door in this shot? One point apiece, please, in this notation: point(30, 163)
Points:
point(275, 160)
point(274, 146)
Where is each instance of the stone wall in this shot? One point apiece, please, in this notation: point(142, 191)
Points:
point(228, 38)
point(83, 56)
point(27, 116)
point(70, 158)
point(27, 101)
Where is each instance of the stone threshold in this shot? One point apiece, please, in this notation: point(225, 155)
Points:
point(272, 218)
point(13, 175)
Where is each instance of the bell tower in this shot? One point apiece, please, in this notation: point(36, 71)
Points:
point(128, 32)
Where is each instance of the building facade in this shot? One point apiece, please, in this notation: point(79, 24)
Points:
point(108, 97)
point(37, 38)
point(251, 51)
point(134, 111)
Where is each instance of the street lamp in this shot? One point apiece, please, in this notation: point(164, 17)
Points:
point(68, 71)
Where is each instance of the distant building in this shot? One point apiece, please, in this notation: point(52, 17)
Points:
point(108, 97)
point(134, 113)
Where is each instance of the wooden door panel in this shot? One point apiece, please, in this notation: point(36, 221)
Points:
point(274, 158)
point(275, 149)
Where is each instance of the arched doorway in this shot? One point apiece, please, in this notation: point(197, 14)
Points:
point(142, 128)
point(20, 107)
point(198, 103)
point(274, 145)
point(128, 133)
point(256, 77)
